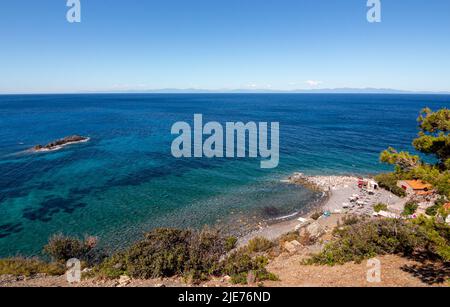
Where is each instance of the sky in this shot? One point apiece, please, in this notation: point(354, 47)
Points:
point(122, 45)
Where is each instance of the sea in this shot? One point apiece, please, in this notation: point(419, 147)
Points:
point(125, 181)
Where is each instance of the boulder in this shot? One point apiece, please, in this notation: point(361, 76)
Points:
point(291, 248)
point(314, 230)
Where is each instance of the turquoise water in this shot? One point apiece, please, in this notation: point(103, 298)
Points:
point(125, 181)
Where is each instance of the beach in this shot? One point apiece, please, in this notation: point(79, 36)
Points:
point(336, 204)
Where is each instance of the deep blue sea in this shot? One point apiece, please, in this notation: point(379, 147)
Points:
point(125, 180)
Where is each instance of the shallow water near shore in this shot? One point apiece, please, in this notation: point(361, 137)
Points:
point(124, 181)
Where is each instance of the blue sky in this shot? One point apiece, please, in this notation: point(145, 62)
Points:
point(223, 44)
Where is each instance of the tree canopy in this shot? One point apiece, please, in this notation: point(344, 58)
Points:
point(434, 140)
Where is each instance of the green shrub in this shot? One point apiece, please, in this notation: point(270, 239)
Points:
point(196, 255)
point(163, 253)
point(438, 236)
point(389, 182)
point(367, 239)
point(380, 207)
point(433, 210)
point(62, 248)
point(240, 263)
point(410, 208)
point(230, 243)
point(169, 252)
point(259, 244)
point(351, 219)
point(205, 251)
point(29, 267)
point(111, 268)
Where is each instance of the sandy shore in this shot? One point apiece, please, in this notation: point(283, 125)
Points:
point(340, 189)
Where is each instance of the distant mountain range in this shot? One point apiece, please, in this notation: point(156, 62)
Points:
point(299, 91)
point(344, 90)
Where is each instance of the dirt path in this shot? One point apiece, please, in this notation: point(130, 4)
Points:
point(395, 272)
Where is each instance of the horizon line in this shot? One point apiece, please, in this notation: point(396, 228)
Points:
point(239, 91)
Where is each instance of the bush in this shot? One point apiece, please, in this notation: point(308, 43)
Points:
point(380, 207)
point(29, 267)
point(196, 255)
point(230, 243)
point(259, 244)
point(438, 236)
point(351, 219)
point(288, 237)
point(205, 251)
point(389, 182)
point(240, 263)
point(62, 248)
point(169, 252)
point(433, 210)
point(111, 268)
point(410, 208)
point(367, 239)
point(163, 253)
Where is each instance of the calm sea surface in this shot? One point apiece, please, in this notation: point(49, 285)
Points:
point(125, 181)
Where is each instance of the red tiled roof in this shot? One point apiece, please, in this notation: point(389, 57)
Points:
point(419, 185)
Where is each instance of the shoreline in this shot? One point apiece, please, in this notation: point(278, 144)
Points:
point(337, 192)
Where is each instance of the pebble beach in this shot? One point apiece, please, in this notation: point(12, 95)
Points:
point(339, 190)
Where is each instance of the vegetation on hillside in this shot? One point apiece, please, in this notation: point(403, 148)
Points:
point(19, 266)
point(410, 208)
point(370, 238)
point(380, 207)
point(196, 255)
point(164, 252)
point(434, 141)
point(62, 248)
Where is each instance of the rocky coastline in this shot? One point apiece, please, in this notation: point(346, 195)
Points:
point(58, 144)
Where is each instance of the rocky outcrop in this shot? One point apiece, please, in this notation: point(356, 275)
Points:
point(55, 145)
point(313, 231)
